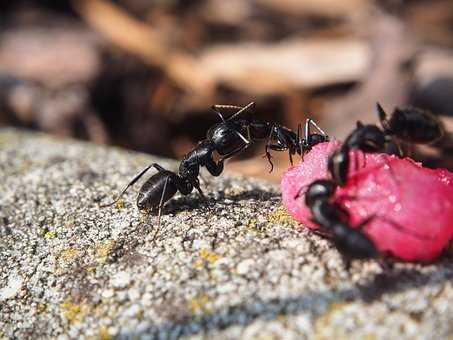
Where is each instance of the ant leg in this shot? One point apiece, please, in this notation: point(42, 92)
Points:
point(299, 128)
point(301, 191)
point(267, 147)
point(269, 156)
point(161, 205)
point(249, 134)
point(245, 140)
point(307, 129)
point(322, 233)
point(386, 265)
point(347, 263)
point(219, 114)
point(310, 122)
point(196, 185)
point(215, 169)
point(158, 167)
point(365, 222)
point(134, 180)
point(301, 142)
point(274, 147)
point(267, 153)
point(400, 150)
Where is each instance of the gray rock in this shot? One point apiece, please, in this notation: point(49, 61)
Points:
point(236, 267)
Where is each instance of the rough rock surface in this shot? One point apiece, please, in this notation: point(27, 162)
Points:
point(238, 267)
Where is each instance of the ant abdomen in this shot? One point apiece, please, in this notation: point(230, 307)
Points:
point(412, 125)
point(159, 187)
point(416, 126)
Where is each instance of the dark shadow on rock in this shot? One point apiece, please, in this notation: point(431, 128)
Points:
point(256, 194)
point(195, 202)
point(316, 303)
point(399, 280)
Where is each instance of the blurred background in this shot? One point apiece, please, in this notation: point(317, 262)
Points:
point(142, 74)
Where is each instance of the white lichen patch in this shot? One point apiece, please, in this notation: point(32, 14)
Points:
point(13, 287)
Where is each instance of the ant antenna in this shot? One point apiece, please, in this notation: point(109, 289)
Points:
point(250, 107)
point(159, 214)
point(215, 108)
point(299, 128)
point(240, 109)
point(266, 149)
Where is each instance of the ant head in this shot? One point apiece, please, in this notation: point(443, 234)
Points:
point(321, 189)
point(374, 139)
point(368, 138)
point(143, 202)
point(313, 139)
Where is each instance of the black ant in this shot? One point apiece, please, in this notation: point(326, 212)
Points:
point(278, 137)
point(333, 220)
point(163, 185)
point(410, 125)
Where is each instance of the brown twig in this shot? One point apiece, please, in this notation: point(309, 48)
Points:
point(141, 40)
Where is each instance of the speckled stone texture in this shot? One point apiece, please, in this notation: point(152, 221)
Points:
point(236, 267)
